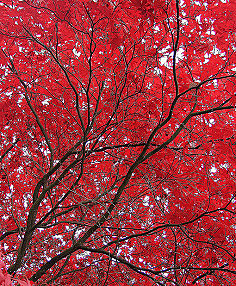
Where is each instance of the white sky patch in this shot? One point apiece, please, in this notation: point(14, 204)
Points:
point(216, 51)
point(164, 59)
point(180, 54)
point(82, 255)
point(20, 100)
point(20, 169)
point(46, 101)
point(156, 29)
point(198, 18)
point(213, 169)
point(45, 151)
point(5, 246)
point(9, 94)
point(184, 22)
point(78, 232)
point(206, 56)
point(157, 71)
point(164, 50)
point(215, 83)
point(25, 151)
point(76, 53)
point(225, 166)
point(146, 201)
point(210, 31)
point(211, 122)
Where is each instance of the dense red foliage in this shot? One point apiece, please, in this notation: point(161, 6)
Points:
point(118, 141)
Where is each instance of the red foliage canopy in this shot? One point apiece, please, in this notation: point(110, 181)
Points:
point(117, 141)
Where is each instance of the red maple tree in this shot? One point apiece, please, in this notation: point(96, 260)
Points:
point(117, 142)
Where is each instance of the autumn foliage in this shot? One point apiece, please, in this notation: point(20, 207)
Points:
point(117, 141)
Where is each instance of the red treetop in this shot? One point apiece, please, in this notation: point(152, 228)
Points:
point(117, 140)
